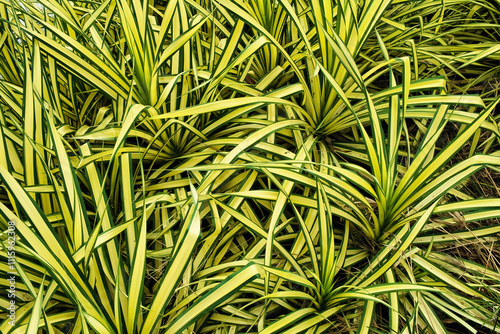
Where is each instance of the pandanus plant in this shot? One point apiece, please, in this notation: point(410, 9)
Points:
point(229, 166)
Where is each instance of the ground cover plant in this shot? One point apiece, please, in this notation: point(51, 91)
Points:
point(224, 166)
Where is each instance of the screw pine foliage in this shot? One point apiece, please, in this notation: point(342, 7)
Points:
point(250, 166)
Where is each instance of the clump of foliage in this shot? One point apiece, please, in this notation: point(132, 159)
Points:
point(250, 166)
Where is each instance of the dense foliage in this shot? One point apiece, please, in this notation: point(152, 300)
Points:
point(230, 166)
